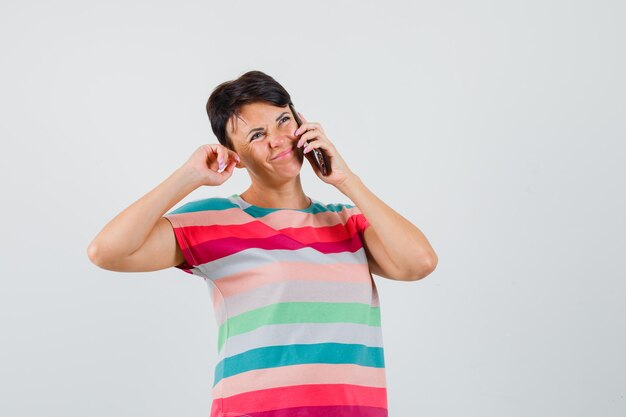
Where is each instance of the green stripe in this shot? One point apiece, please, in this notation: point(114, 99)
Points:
point(315, 208)
point(298, 312)
point(213, 203)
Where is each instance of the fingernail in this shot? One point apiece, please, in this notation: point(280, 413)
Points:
point(222, 165)
point(297, 132)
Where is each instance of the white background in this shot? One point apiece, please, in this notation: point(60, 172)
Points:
point(496, 127)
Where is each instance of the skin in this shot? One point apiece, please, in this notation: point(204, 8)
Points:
point(274, 183)
point(396, 248)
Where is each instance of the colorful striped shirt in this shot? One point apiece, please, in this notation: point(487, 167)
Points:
point(297, 309)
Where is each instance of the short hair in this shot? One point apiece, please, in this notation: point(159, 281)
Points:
point(228, 97)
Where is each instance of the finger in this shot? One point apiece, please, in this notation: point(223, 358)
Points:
point(307, 136)
point(312, 145)
point(304, 127)
point(312, 136)
point(233, 156)
point(214, 151)
point(211, 160)
point(302, 117)
point(230, 168)
point(319, 143)
point(222, 158)
point(227, 168)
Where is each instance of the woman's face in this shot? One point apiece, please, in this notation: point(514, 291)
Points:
point(260, 134)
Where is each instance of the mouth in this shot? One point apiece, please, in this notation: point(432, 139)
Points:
point(284, 154)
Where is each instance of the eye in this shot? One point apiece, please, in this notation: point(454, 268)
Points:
point(254, 136)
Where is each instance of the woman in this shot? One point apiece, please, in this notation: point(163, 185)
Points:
point(290, 277)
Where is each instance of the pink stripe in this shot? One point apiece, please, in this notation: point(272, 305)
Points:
point(317, 373)
point(290, 271)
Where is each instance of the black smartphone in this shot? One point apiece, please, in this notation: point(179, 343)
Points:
point(321, 160)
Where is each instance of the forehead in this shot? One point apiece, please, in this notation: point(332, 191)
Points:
point(254, 115)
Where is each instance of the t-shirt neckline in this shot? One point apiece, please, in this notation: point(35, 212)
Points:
point(236, 198)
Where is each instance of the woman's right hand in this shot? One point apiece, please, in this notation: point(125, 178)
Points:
point(204, 163)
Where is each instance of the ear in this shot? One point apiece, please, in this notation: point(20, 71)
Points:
point(231, 150)
point(241, 164)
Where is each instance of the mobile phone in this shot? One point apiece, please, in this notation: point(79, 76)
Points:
point(321, 160)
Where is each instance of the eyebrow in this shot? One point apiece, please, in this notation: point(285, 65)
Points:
point(260, 128)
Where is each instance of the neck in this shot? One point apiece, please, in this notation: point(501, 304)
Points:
point(289, 195)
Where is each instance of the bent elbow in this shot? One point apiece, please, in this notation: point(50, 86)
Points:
point(95, 256)
point(92, 253)
point(423, 270)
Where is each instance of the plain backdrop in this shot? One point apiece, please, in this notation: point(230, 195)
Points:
point(496, 127)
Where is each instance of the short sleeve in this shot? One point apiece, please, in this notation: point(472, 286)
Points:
point(180, 221)
point(360, 221)
point(355, 220)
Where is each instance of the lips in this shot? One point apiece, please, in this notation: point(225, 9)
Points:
point(283, 153)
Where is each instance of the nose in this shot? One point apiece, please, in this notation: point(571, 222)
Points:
point(278, 139)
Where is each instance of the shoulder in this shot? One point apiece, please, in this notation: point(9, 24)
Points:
point(342, 209)
point(350, 215)
point(204, 204)
point(347, 212)
point(337, 207)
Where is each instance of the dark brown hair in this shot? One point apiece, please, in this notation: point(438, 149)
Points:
point(228, 97)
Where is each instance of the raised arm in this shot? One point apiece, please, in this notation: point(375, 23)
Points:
point(139, 238)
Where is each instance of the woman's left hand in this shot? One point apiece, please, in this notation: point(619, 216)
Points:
point(316, 138)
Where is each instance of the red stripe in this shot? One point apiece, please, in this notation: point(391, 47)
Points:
point(306, 396)
point(216, 249)
point(258, 229)
point(208, 243)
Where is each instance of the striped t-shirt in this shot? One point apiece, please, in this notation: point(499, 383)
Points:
point(297, 310)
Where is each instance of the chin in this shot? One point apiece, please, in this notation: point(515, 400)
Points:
point(292, 170)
